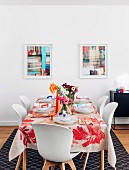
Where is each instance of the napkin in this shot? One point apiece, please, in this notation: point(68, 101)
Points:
point(35, 115)
point(84, 122)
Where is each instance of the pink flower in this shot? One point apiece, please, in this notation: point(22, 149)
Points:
point(64, 98)
point(70, 101)
point(76, 90)
point(65, 102)
point(59, 98)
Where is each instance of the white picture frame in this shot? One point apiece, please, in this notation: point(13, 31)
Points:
point(38, 61)
point(93, 61)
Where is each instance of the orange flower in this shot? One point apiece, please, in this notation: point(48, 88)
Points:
point(53, 87)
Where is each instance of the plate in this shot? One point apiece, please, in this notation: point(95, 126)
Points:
point(49, 100)
point(81, 97)
point(40, 109)
point(84, 110)
point(85, 105)
point(81, 101)
point(44, 110)
point(64, 119)
point(68, 122)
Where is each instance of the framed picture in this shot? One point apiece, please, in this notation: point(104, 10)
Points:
point(93, 61)
point(38, 61)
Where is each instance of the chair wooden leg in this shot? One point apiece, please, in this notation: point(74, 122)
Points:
point(81, 155)
point(19, 161)
point(85, 161)
point(46, 165)
point(102, 160)
point(24, 160)
point(62, 166)
point(49, 164)
point(71, 163)
point(52, 167)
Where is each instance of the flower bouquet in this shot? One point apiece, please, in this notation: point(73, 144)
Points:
point(69, 91)
point(65, 94)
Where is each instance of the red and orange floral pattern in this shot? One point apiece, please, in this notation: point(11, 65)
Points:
point(93, 135)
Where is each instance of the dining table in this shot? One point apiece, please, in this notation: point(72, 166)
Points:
point(90, 134)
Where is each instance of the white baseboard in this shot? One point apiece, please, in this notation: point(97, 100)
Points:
point(121, 120)
point(8, 123)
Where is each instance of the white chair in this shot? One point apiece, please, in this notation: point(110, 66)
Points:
point(25, 102)
point(100, 104)
point(108, 113)
point(54, 144)
point(21, 112)
point(107, 116)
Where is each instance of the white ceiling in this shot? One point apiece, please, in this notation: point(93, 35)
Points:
point(64, 2)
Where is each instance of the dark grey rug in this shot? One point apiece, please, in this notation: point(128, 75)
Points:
point(35, 161)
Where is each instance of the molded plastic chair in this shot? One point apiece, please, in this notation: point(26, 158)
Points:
point(100, 104)
point(108, 113)
point(25, 102)
point(21, 112)
point(54, 144)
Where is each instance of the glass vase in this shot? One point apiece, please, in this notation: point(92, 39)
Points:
point(65, 111)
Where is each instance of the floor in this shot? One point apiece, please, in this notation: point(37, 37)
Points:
point(123, 135)
point(5, 132)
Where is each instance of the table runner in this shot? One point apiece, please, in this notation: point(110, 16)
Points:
point(90, 134)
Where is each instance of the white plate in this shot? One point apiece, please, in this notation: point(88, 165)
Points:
point(49, 100)
point(82, 97)
point(69, 122)
point(41, 111)
point(84, 105)
point(84, 110)
point(64, 119)
point(44, 110)
point(81, 101)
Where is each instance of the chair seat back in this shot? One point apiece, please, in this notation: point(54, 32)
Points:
point(100, 104)
point(108, 113)
point(20, 111)
point(53, 142)
point(25, 102)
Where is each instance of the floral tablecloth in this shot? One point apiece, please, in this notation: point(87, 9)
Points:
point(90, 134)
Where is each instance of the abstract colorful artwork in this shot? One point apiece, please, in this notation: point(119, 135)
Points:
point(38, 61)
point(93, 61)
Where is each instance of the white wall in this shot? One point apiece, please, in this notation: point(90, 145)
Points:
point(65, 27)
point(64, 2)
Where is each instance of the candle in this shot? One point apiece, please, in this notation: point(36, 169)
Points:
point(57, 102)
